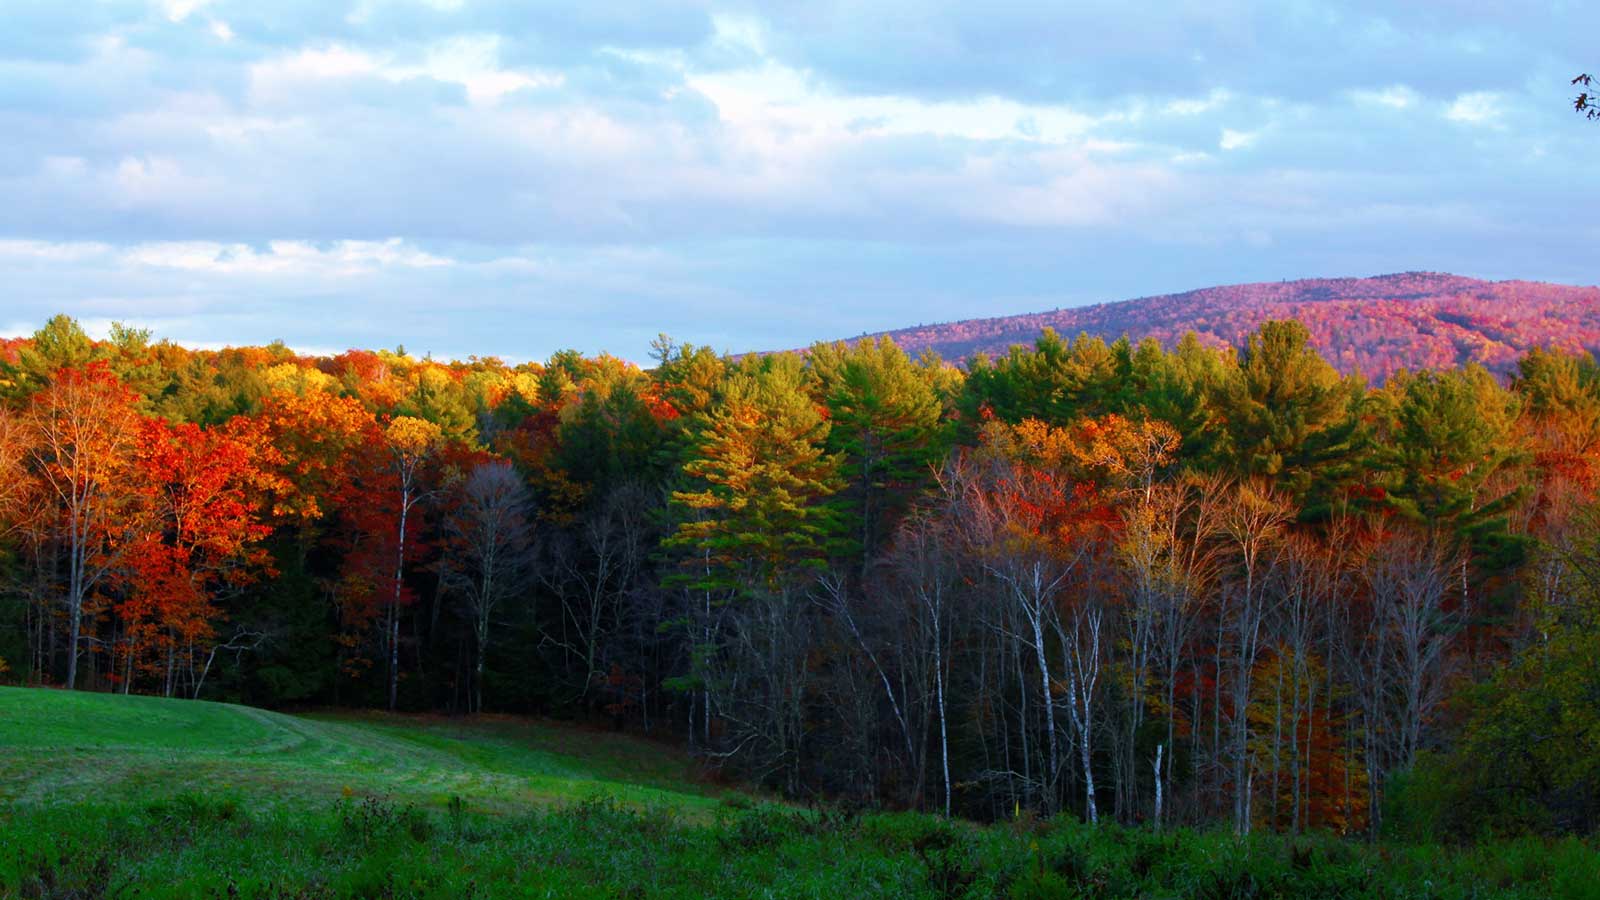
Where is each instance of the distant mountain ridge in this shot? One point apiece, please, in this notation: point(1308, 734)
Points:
point(1375, 325)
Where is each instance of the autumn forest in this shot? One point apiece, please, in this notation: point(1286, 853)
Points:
point(1158, 585)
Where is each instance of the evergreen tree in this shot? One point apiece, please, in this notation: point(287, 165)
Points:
point(758, 480)
point(1289, 415)
point(885, 425)
point(1448, 442)
point(1055, 381)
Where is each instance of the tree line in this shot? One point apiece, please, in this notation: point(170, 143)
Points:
point(1160, 585)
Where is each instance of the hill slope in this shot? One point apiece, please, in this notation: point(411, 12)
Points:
point(60, 747)
point(1375, 325)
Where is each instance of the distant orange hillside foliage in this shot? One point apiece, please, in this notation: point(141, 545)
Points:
point(1374, 325)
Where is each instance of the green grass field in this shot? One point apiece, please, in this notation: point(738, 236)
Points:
point(104, 796)
point(60, 747)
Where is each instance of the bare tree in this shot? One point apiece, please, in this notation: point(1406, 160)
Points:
point(1410, 579)
point(241, 641)
point(1188, 517)
point(1034, 534)
point(1083, 663)
point(1317, 572)
point(411, 443)
point(1253, 523)
point(835, 597)
point(490, 551)
point(927, 566)
point(1167, 536)
point(765, 684)
point(1002, 519)
point(1395, 648)
point(592, 573)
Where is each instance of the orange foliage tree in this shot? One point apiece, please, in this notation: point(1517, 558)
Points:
point(197, 541)
point(80, 430)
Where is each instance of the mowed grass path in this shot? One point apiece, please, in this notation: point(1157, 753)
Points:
point(60, 747)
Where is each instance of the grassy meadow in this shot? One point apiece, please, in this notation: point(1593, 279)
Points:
point(108, 796)
point(62, 747)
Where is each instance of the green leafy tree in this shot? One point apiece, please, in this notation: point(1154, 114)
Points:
point(1527, 757)
point(60, 344)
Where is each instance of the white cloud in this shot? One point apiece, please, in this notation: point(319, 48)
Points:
point(474, 63)
point(1237, 140)
point(141, 179)
point(178, 10)
point(739, 33)
point(296, 258)
point(1396, 96)
point(1477, 108)
point(1079, 192)
point(285, 257)
point(333, 61)
point(471, 61)
point(780, 108)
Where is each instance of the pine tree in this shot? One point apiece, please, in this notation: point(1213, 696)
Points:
point(1448, 440)
point(1290, 416)
point(885, 427)
point(758, 481)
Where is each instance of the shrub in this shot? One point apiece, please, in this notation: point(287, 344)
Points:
point(370, 819)
point(1042, 884)
point(759, 827)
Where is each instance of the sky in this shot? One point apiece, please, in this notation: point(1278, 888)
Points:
point(510, 178)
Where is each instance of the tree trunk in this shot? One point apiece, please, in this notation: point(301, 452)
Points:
point(1157, 768)
point(75, 617)
point(944, 737)
point(394, 604)
point(1049, 711)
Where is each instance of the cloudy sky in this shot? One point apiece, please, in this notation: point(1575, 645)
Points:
point(512, 178)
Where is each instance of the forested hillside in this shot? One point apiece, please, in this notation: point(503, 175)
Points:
point(1114, 581)
point(1376, 326)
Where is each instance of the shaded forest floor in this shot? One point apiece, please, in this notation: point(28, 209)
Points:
point(104, 796)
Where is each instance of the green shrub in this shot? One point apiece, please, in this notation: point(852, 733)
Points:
point(754, 829)
point(1042, 884)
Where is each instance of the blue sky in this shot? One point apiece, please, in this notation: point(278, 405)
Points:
point(512, 178)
